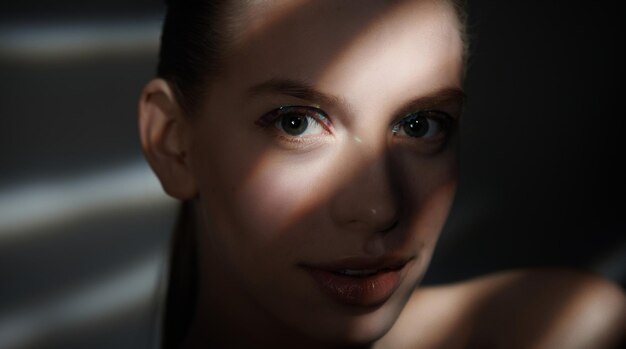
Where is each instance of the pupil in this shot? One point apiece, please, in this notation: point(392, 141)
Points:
point(294, 124)
point(416, 127)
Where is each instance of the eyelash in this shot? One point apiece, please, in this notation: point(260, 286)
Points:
point(274, 117)
point(310, 114)
point(443, 121)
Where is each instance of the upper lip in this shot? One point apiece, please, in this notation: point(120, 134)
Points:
point(362, 263)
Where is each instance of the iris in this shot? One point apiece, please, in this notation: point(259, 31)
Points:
point(294, 124)
point(416, 126)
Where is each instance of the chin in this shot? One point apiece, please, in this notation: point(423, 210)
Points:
point(369, 330)
point(355, 327)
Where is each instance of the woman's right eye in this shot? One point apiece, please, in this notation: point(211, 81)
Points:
point(297, 121)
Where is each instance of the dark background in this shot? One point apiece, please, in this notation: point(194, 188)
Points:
point(542, 182)
point(542, 145)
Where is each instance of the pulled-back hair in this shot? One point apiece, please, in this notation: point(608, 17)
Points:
point(191, 40)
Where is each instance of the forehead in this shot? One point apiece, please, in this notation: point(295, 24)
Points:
point(347, 44)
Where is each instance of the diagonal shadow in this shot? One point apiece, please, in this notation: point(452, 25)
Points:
point(322, 58)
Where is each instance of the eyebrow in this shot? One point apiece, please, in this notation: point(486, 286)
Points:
point(436, 99)
point(306, 91)
point(294, 88)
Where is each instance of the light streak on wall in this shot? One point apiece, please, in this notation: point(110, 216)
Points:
point(63, 41)
point(133, 288)
point(36, 205)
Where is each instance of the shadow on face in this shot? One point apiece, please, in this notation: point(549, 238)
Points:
point(352, 169)
point(354, 67)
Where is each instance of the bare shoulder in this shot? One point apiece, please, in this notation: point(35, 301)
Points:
point(534, 308)
point(548, 308)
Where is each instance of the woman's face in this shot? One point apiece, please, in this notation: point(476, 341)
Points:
point(325, 158)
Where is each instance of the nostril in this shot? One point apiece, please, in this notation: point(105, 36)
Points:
point(389, 228)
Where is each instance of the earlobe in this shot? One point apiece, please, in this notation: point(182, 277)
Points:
point(164, 139)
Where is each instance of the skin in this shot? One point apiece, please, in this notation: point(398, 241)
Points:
point(268, 203)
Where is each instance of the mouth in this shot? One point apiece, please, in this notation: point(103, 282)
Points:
point(363, 282)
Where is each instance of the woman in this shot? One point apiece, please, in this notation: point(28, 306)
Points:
point(315, 146)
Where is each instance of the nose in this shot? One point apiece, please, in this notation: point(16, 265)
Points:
point(369, 200)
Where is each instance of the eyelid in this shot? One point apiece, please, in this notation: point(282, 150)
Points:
point(318, 114)
point(445, 118)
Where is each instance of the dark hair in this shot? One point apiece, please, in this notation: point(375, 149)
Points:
point(460, 6)
point(193, 41)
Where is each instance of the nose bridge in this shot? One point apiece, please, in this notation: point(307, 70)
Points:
point(369, 198)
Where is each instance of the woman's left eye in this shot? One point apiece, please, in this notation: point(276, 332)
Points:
point(297, 121)
point(423, 124)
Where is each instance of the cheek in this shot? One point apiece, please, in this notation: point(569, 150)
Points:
point(282, 191)
point(430, 186)
point(433, 210)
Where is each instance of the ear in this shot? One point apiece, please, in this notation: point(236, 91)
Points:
point(164, 129)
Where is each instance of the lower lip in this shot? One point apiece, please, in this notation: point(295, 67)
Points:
point(365, 291)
